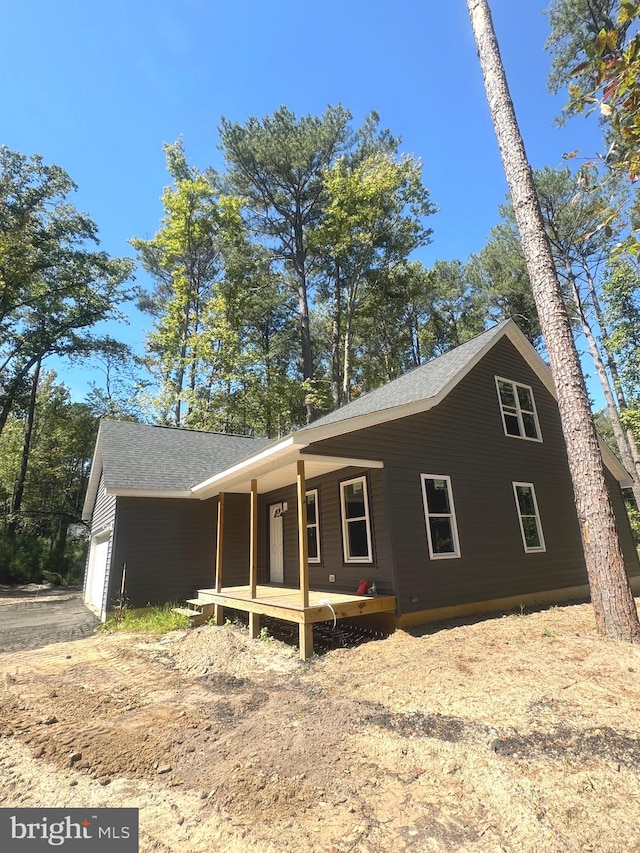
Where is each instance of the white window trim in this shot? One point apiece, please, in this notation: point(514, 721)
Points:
point(314, 492)
point(522, 435)
point(542, 546)
point(455, 554)
point(345, 532)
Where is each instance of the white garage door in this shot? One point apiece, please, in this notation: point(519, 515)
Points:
point(97, 571)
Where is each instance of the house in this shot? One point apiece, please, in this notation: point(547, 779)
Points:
point(447, 490)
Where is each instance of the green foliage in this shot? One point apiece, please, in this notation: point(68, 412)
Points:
point(28, 558)
point(595, 46)
point(266, 277)
point(55, 286)
point(152, 620)
point(34, 537)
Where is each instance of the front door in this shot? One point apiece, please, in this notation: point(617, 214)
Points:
point(276, 544)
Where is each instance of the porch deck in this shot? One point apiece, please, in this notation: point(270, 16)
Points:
point(285, 603)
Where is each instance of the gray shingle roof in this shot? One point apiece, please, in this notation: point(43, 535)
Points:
point(139, 456)
point(421, 383)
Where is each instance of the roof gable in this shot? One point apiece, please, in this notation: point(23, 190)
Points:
point(423, 387)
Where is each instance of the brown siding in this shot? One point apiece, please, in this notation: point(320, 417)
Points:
point(348, 576)
point(235, 557)
point(464, 438)
point(168, 546)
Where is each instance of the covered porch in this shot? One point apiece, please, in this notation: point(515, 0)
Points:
point(283, 464)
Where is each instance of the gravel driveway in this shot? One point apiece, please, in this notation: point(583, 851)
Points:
point(32, 624)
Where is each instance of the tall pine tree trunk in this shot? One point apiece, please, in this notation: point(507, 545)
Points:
point(615, 610)
point(18, 494)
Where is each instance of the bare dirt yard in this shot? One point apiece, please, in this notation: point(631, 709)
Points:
point(517, 733)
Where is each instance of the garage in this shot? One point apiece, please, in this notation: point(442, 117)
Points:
point(97, 573)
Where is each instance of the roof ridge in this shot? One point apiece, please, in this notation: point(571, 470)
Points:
point(185, 429)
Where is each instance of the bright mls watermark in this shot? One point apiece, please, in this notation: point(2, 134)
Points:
point(79, 830)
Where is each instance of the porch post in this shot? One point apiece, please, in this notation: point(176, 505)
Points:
point(303, 548)
point(218, 610)
point(254, 618)
point(305, 629)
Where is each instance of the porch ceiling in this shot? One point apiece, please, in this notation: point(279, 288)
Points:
point(277, 469)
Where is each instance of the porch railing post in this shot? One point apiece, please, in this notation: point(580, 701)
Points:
point(303, 549)
point(254, 618)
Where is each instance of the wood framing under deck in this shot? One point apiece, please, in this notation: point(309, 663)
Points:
point(285, 603)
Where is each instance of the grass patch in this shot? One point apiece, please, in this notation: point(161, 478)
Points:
point(152, 620)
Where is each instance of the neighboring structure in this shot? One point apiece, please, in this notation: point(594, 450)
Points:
point(447, 488)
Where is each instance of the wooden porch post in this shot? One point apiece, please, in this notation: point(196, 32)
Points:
point(218, 611)
point(254, 618)
point(305, 630)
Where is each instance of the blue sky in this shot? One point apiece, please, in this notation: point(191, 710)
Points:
point(98, 87)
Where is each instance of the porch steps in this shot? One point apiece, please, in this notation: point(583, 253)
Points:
point(197, 611)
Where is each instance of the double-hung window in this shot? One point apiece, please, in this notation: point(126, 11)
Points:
point(356, 526)
point(440, 516)
point(313, 527)
point(518, 409)
point(529, 517)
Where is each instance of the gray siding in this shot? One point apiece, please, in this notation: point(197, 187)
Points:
point(168, 546)
point(103, 517)
point(348, 576)
point(464, 438)
point(235, 555)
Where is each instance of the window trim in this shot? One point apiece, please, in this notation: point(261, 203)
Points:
point(366, 518)
point(541, 548)
point(518, 412)
point(318, 559)
point(455, 554)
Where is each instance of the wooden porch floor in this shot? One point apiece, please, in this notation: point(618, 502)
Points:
point(283, 602)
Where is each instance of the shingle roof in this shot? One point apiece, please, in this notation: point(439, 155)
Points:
point(421, 383)
point(155, 458)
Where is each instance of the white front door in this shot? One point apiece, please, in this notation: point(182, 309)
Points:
point(276, 544)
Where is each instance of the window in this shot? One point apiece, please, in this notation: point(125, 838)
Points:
point(313, 527)
point(519, 415)
point(356, 531)
point(530, 526)
point(440, 515)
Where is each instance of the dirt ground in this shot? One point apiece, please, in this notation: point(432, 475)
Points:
point(517, 733)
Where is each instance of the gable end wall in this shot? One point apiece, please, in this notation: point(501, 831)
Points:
point(464, 438)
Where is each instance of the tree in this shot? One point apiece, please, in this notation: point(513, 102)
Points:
point(615, 611)
point(54, 285)
point(499, 277)
point(454, 312)
point(188, 259)
point(45, 457)
point(277, 166)
point(372, 222)
point(595, 45)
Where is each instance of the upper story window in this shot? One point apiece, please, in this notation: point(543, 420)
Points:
point(518, 409)
point(356, 526)
point(313, 527)
point(440, 515)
